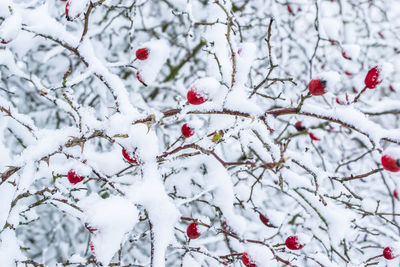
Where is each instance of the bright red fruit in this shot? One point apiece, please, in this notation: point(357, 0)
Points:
point(388, 253)
point(92, 248)
point(345, 56)
point(340, 102)
point(396, 194)
point(140, 78)
point(247, 260)
point(192, 231)
point(142, 53)
point(194, 97)
point(90, 228)
point(289, 9)
point(313, 137)
point(67, 11)
point(348, 73)
point(128, 157)
point(187, 131)
point(317, 87)
point(265, 220)
point(390, 164)
point(372, 79)
point(74, 178)
point(299, 127)
point(293, 243)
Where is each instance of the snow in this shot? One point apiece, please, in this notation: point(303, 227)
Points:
point(331, 28)
point(245, 57)
point(21, 118)
point(112, 218)
point(77, 259)
point(10, 27)
point(261, 164)
point(223, 195)
point(9, 248)
point(332, 79)
point(350, 116)
point(27, 177)
point(4, 10)
point(352, 51)
point(324, 260)
point(77, 7)
point(48, 142)
point(261, 255)
point(150, 193)
point(393, 152)
point(149, 68)
point(207, 87)
point(395, 248)
point(119, 90)
point(303, 238)
point(7, 192)
point(162, 213)
point(39, 20)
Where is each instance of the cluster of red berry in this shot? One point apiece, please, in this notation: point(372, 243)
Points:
point(292, 242)
point(196, 96)
point(318, 86)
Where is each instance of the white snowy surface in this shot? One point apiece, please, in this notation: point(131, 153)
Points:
point(53, 121)
point(113, 218)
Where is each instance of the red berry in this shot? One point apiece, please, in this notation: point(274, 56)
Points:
point(317, 87)
point(187, 131)
point(388, 253)
point(340, 102)
point(313, 137)
point(142, 53)
point(74, 178)
point(247, 260)
point(293, 243)
point(128, 157)
point(299, 127)
point(348, 73)
point(391, 88)
point(140, 78)
point(67, 11)
point(289, 8)
point(390, 164)
point(192, 231)
point(90, 228)
point(345, 56)
point(372, 78)
point(396, 194)
point(92, 248)
point(194, 97)
point(4, 42)
point(265, 220)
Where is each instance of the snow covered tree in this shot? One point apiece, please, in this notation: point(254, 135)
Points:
point(199, 133)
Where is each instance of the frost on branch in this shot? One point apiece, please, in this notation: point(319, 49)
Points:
point(199, 133)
